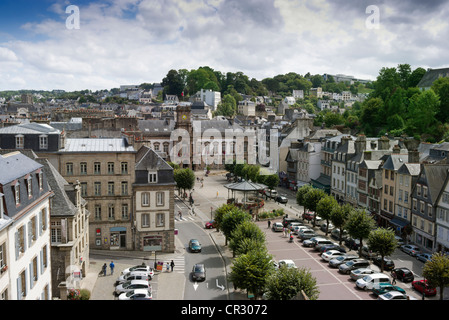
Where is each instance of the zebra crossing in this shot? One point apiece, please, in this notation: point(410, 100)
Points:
point(180, 263)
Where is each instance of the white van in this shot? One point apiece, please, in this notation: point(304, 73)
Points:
point(368, 281)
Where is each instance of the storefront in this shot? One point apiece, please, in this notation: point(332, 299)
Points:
point(152, 243)
point(117, 238)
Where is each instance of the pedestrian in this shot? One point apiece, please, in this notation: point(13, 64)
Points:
point(283, 231)
point(172, 265)
point(269, 223)
point(104, 269)
point(111, 265)
point(168, 267)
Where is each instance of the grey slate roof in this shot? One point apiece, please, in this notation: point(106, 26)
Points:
point(14, 166)
point(148, 159)
point(97, 145)
point(395, 161)
point(30, 128)
point(431, 75)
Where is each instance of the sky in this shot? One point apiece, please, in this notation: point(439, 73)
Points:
point(105, 44)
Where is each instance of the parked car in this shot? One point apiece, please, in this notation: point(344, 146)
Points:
point(335, 233)
point(281, 199)
point(367, 253)
point(332, 247)
point(306, 234)
point(399, 240)
point(424, 257)
point(422, 285)
point(199, 272)
point(311, 242)
point(131, 285)
point(277, 227)
point(272, 194)
point(360, 273)
point(410, 249)
point(395, 295)
point(368, 281)
point(324, 224)
point(403, 274)
point(287, 263)
point(388, 263)
point(194, 245)
point(141, 267)
point(293, 225)
point(136, 294)
point(385, 287)
point(298, 229)
point(287, 221)
point(308, 216)
point(352, 244)
point(331, 254)
point(323, 242)
point(133, 275)
point(347, 267)
point(342, 259)
point(210, 224)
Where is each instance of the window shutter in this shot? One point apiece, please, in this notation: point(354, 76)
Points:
point(24, 236)
point(41, 226)
point(31, 275)
point(42, 260)
point(30, 233)
point(19, 288)
point(17, 242)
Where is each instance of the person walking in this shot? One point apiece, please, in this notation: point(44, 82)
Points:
point(168, 267)
point(269, 223)
point(172, 265)
point(111, 265)
point(104, 268)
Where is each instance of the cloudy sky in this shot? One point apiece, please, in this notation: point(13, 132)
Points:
point(135, 41)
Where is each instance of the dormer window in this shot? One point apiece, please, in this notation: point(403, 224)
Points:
point(43, 142)
point(20, 141)
point(29, 187)
point(152, 177)
point(16, 189)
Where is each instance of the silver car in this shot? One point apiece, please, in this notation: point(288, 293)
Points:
point(360, 273)
point(131, 285)
point(410, 249)
point(342, 259)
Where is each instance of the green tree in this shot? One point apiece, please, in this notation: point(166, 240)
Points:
point(441, 88)
point(312, 198)
point(250, 271)
point(300, 195)
point(271, 181)
point(245, 230)
point(423, 108)
point(221, 211)
point(359, 225)
point(227, 107)
point(231, 219)
point(436, 271)
point(173, 83)
point(339, 217)
point(325, 207)
point(184, 178)
point(382, 241)
point(286, 283)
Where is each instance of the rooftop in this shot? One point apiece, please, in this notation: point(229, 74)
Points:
point(97, 145)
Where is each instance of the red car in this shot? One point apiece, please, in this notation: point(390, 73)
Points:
point(308, 216)
point(211, 224)
point(421, 285)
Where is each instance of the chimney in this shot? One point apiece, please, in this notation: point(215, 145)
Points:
point(413, 156)
point(360, 144)
point(396, 149)
point(384, 143)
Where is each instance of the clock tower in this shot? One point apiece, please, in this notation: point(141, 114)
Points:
point(184, 121)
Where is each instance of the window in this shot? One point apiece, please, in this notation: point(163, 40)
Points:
point(111, 212)
point(17, 193)
point(166, 148)
point(160, 219)
point(97, 188)
point(3, 262)
point(110, 188)
point(83, 168)
point(20, 241)
point(69, 169)
point(156, 146)
point(110, 167)
point(29, 187)
point(20, 141)
point(41, 181)
point(125, 211)
point(145, 199)
point(83, 189)
point(145, 220)
point(152, 177)
point(160, 199)
point(425, 191)
point(43, 142)
point(32, 234)
point(124, 167)
point(97, 168)
point(97, 211)
point(56, 232)
point(124, 188)
point(21, 286)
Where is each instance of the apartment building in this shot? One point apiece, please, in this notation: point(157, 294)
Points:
point(104, 168)
point(153, 194)
point(25, 266)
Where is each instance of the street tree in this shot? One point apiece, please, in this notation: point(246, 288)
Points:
point(325, 207)
point(300, 200)
point(339, 217)
point(436, 272)
point(231, 219)
point(311, 200)
point(245, 230)
point(184, 178)
point(250, 271)
point(221, 211)
point(271, 181)
point(286, 283)
point(359, 225)
point(382, 241)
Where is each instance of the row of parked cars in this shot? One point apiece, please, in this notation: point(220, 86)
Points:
point(358, 268)
point(134, 283)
